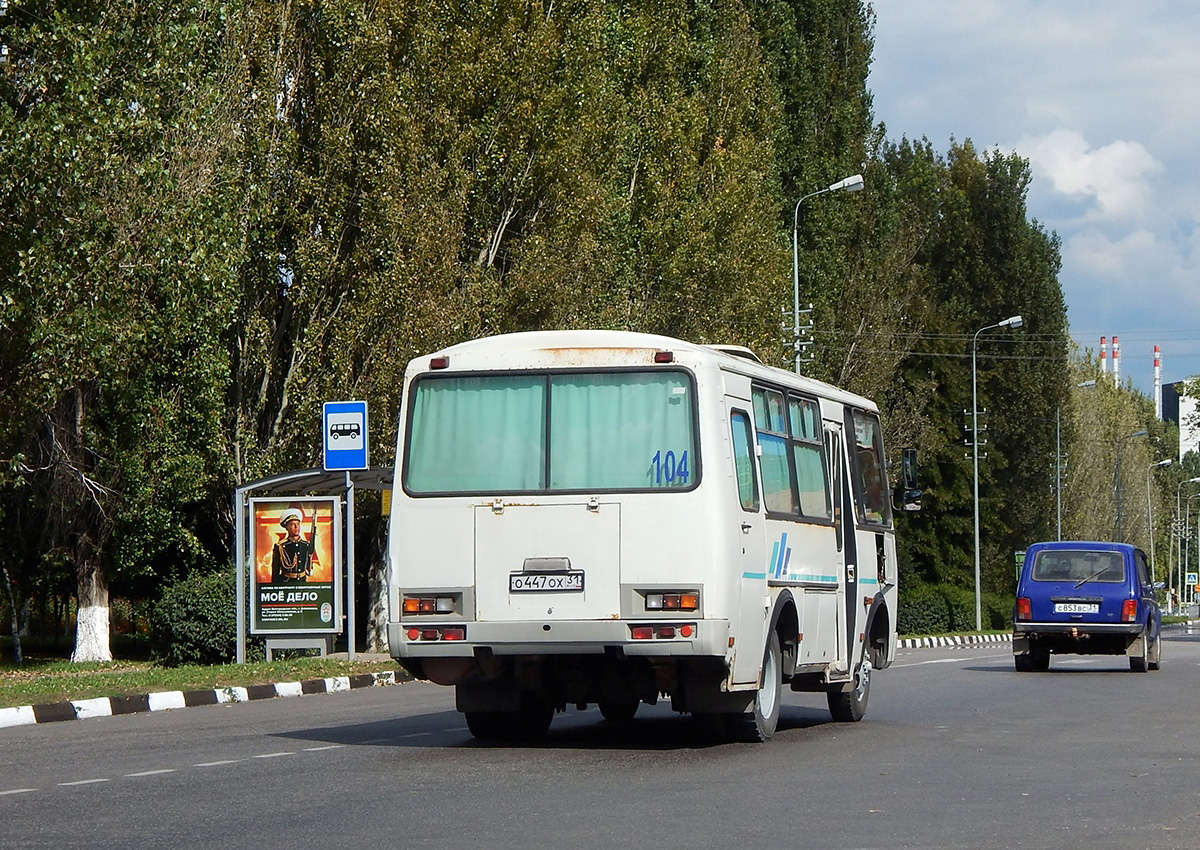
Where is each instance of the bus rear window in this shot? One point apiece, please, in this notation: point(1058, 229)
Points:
point(527, 432)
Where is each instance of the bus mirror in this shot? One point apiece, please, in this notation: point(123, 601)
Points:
point(910, 493)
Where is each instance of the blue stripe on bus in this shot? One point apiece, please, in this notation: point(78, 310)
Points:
point(868, 581)
point(803, 577)
point(754, 575)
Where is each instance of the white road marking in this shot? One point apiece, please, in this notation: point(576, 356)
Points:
point(956, 660)
point(17, 791)
point(85, 782)
point(218, 763)
point(150, 772)
point(319, 749)
point(272, 755)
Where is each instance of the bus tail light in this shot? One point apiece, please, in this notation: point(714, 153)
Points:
point(428, 605)
point(1024, 608)
point(661, 632)
point(442, 362)
point(1129, 611)
point(688, 600)
point(436, 633)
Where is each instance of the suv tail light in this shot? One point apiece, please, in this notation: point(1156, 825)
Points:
point(1129, 611)
point(1024, 608)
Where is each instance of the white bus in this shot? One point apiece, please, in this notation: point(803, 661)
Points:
point(610, 518)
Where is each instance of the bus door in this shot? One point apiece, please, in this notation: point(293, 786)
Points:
point(871, 520)
point(843, 525)
point(750, 626)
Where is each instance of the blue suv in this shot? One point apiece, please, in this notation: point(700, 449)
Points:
point(1084, 598)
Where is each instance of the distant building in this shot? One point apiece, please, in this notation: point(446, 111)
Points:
point(1181, 409)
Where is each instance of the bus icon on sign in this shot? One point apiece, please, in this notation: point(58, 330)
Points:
point(344, 432)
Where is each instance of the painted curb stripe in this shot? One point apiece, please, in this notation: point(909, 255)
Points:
point(24, 715)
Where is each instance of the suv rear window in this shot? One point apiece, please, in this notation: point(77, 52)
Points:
point(1059, 565)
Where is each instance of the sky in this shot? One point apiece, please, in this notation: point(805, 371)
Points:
point(1103, 98)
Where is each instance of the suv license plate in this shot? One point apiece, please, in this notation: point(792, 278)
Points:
point(571, 582)
point(1076, 608)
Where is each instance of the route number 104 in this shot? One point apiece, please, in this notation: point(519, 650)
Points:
point(669, 469)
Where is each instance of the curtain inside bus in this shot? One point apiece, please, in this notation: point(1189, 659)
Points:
point(606, 431)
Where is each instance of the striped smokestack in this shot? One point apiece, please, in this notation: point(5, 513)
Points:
point(1158, 382)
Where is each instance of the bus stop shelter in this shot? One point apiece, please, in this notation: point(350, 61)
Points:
point(339, 484)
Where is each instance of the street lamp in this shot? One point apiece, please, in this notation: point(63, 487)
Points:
point(1010, 322)
point(1179, 528)
point(1150, 513)
point(1117, 478)
point(1187, 535)
point(853, 183)
point(1058, 453)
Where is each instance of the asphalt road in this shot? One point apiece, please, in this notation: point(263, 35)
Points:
point(957, 751)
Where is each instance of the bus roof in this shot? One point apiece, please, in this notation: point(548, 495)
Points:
point(495, 348)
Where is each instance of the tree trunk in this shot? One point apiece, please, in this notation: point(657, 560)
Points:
point(377, 617)
point(91, 618)
point(14, 623)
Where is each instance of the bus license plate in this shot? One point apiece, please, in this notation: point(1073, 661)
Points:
point(1076, 608)
point(546, 582)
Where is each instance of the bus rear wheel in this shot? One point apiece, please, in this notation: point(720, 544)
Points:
point(530, 723)
point(850, 706)
point(618, 712)
point(759, 724)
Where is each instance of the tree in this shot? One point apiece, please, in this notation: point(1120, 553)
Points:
point(113, 291)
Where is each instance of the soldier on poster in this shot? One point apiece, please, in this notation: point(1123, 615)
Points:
point(292, 557)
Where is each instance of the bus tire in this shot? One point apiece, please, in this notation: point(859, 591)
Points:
point(530, 723)
point(618, 712)
point(851, 706)
point(759, 724)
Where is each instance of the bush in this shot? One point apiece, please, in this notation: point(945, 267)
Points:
point(195, 621)
point(923, 611)
point(930, 609)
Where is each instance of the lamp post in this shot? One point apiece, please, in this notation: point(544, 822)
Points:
point(1010, 322)
point(1117, 478)
point(1178, 536)
point(853, 183)
point(1058, 454)
point(1150, 513)
point(1187, 535)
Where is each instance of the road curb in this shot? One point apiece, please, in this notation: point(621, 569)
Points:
point(953, 640)
point(83, 709)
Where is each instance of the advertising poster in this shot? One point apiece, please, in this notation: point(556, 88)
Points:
point(295, 583)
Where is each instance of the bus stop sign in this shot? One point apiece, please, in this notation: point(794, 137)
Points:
point(344, 429)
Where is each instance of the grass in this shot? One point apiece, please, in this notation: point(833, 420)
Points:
point(50, 680)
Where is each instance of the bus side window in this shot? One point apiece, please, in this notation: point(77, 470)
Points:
point(743, 460)
point(833, 445)
point(870, 483)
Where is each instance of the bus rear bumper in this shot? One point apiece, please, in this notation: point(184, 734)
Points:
point(562, 637)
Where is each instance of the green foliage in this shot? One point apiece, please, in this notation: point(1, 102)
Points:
point(195, 620)
point(217, 217)
point(927, 609)
point(923, 610)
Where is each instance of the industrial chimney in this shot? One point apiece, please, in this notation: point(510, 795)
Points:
point(1158, 383)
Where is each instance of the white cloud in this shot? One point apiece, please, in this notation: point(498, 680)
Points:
point(1115, 177)
point(1130, 257)
point(1101, 97)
